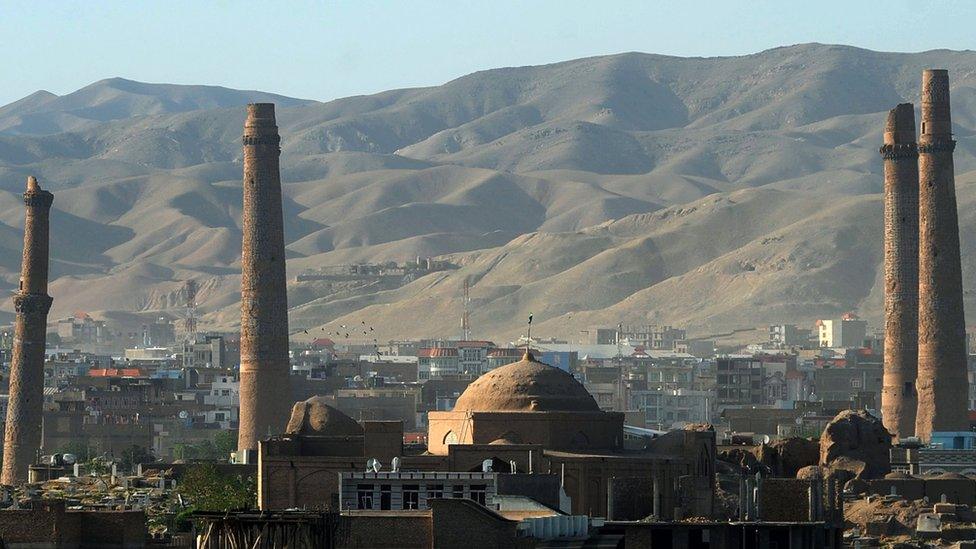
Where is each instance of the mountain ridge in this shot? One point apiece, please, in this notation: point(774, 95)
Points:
point(735, 177)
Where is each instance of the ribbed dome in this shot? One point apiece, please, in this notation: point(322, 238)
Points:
point(526, 386)
point(315, 417)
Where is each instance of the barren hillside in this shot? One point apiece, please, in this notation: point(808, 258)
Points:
point(714, 193)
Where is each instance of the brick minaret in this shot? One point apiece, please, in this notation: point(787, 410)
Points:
point(265, 394)
point(942, 383)
point(900, 153)
point(22, 433)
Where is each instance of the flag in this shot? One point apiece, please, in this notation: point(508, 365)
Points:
point(530, 319)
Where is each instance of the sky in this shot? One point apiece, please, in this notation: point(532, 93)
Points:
point(328, 49)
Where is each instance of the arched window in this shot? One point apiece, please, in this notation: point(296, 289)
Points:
point(580, 441)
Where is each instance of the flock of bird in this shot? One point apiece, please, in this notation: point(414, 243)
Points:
point(344, 332)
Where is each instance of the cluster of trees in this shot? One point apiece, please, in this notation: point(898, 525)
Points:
point(205, 488)
point(86, 453)
point(217, 449)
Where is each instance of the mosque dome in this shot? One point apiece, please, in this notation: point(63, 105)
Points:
point(315, 417)
point(526, 386)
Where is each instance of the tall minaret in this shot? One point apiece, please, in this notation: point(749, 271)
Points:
point(900, 153)
point(22, 433)
point(265, 395)
point(942, 382)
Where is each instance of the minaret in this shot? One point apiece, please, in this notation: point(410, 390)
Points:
point(265, 395)
point(22, 432)
point(900, 154)
point(942, 382)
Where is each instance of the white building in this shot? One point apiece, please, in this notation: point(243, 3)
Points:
point(667, 408)
point(847, 332)
point(437, 362)
point(225, 397)
point(407, 490)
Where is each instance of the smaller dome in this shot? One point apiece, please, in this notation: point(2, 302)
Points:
point(508, 438)
point(895, 475)
point(501, 442)
point(315, 417)
point(951, 475)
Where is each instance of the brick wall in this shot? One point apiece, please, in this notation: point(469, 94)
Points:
point(463, 523)
point(406, 530)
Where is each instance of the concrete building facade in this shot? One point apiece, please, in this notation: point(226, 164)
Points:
point(843, 332)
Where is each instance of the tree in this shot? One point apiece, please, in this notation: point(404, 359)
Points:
point(136, 454)
point(207, 489)
point(81, 450)
point(224, 443)
point(217, 449)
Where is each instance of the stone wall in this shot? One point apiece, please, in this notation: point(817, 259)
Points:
point(785, 500)
point(48, 524)
point(956, 490)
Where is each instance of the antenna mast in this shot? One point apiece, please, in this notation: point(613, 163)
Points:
point(620, 352)
point(190, 315)
point(466, 313)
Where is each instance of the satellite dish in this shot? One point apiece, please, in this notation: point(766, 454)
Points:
point(69, 459)
point(373, 465)
point(766, 439)
point(395, 465)
point(183, 414)
point(487, 465)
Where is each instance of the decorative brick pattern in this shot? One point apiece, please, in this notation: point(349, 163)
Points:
point(942, 382)
point(898, 397)
point(22, 432)
point(264, 390)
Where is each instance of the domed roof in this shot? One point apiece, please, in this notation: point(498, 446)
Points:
point(526, 386)
point(315, 417)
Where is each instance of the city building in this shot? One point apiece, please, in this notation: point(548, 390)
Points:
point(788, 335)
point(411, 490)
point(739, 381)
point(437, 362)
point(847, 331)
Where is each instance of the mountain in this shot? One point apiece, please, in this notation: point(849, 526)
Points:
point(44, 113)
point(715, 193)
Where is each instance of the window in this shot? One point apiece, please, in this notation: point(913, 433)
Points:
point(411, 496)
point(435, 491)
point(479, 492)
point(458, 491)
point(386, 497)
point(364, 496)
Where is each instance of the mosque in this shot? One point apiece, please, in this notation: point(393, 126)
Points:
point(525, 419)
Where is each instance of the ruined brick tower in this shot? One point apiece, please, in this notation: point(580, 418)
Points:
point(22, 432)
point(942, 382)
point(900, 154)
point(264, 391)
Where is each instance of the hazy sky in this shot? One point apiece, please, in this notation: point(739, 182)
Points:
point(328, 49)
